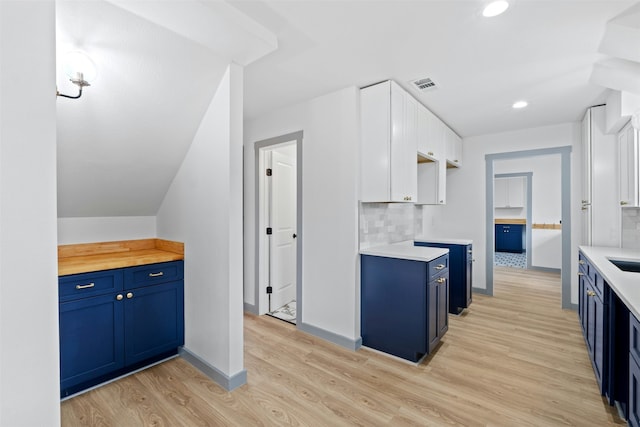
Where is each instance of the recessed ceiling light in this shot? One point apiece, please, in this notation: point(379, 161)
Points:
point(495, 8)
point(520, 104)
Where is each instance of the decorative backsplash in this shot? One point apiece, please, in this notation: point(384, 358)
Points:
point(384, 223)
point(630, 228)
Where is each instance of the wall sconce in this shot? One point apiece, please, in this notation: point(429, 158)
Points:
point(80, 69)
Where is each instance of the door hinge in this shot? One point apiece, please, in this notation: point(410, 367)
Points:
point(269, 172)
point(269, 230)
point(269, 289)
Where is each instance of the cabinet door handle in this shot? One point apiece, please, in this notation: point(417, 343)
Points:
point(129, 295)
point(622, 203)
point(441, 280)
point(88, 285)
point(581, 262)
point(119, 297)
point(439, 266)
point(580, 274)
point(156, 274)
point(591, 293)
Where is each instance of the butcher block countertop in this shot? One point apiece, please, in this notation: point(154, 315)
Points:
point(510, 221)
point(88, 257)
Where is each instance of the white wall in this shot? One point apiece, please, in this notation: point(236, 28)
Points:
point(29, 361)
point(546, 245)
point(464, 214)
point(105, 229)
point(330, 281)
point(203, 209)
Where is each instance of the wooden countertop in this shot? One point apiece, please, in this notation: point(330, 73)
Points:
point(510, 221)
point(87, 257)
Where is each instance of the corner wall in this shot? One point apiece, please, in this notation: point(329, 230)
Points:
point(330, 174)
point(29, 349)
point(105, 229)
point(464, 214)
point(203, 209)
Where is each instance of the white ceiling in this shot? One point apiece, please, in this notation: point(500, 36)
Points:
point(539, 50)
point(159, 63)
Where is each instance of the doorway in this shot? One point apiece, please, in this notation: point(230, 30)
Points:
point(565, 220)
point(279, 219)
point(512, 205)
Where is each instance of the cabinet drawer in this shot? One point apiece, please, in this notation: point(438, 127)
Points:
point(438, 266)
point(151, 274)
point(76, 286)
point(634, 338)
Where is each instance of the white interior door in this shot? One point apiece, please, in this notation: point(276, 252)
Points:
point(282, 244)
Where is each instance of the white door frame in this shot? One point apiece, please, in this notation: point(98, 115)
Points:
point(260, 148)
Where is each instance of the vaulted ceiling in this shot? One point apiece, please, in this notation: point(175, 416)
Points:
point(159, 63)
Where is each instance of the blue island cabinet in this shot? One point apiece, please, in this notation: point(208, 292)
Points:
point(404, 304)
point(112, 324)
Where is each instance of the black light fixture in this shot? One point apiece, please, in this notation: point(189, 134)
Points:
point(80, 69)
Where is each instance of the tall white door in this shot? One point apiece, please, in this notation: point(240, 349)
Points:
point(282, 243)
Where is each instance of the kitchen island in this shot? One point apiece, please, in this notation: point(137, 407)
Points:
point(404, 298)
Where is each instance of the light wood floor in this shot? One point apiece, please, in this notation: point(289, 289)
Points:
point(515, 359)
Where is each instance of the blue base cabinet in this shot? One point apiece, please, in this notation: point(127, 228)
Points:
point(111, 324)
point(404, 305)
point(608, 330)
point(460, 274)
point(510, 238)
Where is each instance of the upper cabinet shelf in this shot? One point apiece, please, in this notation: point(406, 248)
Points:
point(406, 149)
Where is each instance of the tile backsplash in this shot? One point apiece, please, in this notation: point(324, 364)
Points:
point(384, 223)
point(630, 228)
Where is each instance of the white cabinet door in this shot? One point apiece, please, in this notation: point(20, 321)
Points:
point(389, 151)
point(628, 166)
point(500, 191)
point(509, 192)
point(404, 159)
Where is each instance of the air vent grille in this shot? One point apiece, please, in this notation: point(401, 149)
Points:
point(425, 84)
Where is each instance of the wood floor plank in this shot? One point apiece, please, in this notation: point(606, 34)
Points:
point(512, 359)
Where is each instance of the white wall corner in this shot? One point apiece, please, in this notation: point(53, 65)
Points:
point(620, 107)
point(203, 209)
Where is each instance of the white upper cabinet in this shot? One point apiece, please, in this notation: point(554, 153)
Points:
point(453, 148)
point(509, 192)
point(389, 131)
point(430, 134)
point(628, 173)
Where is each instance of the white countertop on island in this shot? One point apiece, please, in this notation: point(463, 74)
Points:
point(625, 284)
point(445, 240)
point(405, 250)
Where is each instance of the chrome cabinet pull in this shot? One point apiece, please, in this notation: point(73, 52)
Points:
point(129, 295)
point(591, 293)
point(441, 280)
point(119, 297)
point(439, 266)
point(156, 274)
point(88, 285)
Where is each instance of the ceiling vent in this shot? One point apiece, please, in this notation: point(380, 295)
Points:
point(425, 84)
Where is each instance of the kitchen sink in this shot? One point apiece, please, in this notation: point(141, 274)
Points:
point(626, 265)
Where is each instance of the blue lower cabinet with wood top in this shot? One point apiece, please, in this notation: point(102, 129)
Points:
point(404, 304)
point(460, 273)
point(510, 238)
point(111, 325)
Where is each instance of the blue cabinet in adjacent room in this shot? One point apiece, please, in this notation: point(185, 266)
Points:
point(460, 273)
point(510, 238)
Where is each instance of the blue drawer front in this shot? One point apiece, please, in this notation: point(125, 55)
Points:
point(152, 274)
point(438, 266)
point(85, 285)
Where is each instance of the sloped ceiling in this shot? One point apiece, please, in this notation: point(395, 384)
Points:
point(121, 144)
point(541, 51)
